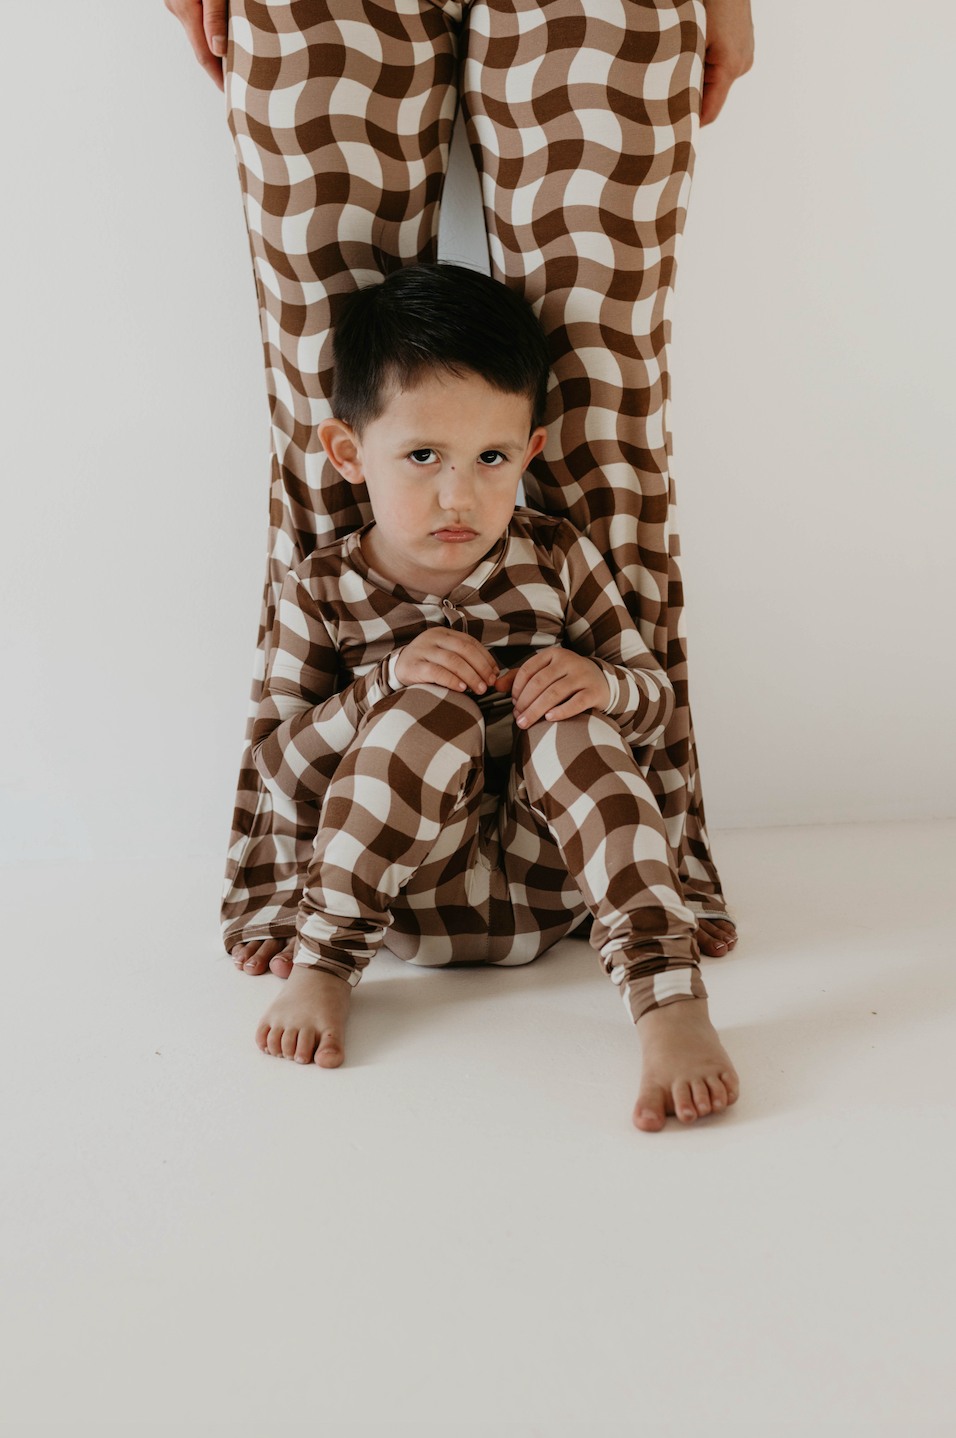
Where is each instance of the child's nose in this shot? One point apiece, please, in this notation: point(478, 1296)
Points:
point(457, 490)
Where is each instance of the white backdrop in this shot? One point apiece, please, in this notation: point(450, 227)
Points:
point(812, 364)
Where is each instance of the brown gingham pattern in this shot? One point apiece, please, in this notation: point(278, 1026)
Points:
point(442, 828)
point(581, 115)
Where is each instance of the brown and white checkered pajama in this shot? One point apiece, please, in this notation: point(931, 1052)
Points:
point(411, 850)
point(581, 115)
point(440, 825)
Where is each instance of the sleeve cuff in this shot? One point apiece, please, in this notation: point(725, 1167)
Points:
point(614, 689)
point(391, 681)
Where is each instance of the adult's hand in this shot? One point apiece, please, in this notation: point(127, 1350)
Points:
point(729, 54)
point(205, 24)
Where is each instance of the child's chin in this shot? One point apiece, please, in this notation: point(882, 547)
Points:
point(452, 549)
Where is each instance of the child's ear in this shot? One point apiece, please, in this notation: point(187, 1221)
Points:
point(339, 441)
point(535, 445)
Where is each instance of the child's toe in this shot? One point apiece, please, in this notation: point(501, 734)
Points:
point(281, 964)
point(650, 1111)
point(701, 1095)
point(305, 1048)
point(329, 1053)
point(684, 1102)
point(718, 1095)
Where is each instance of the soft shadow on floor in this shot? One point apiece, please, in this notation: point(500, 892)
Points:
point(392, 1006)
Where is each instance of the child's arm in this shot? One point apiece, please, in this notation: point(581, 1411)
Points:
point(603, 662)
point(600, 627)
point(302, 723)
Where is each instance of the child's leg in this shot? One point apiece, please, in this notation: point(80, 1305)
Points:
point(413, 771)
point(578, 779)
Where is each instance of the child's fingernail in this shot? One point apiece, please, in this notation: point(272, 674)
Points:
point(219, 45)
point(481, 687)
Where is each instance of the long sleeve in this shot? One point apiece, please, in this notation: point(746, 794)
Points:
point(302, 725)
point(600, 628)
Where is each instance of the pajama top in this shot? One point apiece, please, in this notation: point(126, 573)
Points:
point(339, 626)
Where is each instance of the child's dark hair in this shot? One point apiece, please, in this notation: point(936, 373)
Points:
point(432, 317)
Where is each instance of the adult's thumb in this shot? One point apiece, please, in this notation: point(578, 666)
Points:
point(214, 21)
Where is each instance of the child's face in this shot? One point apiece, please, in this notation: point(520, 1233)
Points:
point(442, 465)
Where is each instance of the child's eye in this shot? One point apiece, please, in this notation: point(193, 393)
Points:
point(492, 457)
point(422, 456)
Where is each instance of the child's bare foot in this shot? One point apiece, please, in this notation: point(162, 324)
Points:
point(307, 1018)
point(261, 955)
point(686, 1070)
point(715, 937)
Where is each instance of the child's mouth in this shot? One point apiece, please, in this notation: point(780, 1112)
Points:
point(454, 536)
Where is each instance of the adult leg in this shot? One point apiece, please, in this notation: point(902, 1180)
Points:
point(342, 112)
point(581, 117)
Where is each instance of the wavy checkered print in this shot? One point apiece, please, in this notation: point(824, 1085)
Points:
point(581, 115)
point(443, 829)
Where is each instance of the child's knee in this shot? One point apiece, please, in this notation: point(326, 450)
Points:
point(553, 744)
point(424, 713)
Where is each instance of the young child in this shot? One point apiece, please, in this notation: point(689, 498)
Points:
point(458, 690)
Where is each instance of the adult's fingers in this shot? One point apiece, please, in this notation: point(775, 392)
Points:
point(729, 53)
point(189, 13)
point(214, 25)
point(717, 82)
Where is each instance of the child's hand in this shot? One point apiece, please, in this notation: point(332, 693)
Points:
point(550, 677)
point(446, 656)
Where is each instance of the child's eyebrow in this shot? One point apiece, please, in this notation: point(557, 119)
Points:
point(507, 446)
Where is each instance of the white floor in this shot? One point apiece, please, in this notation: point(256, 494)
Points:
point(459, 1232)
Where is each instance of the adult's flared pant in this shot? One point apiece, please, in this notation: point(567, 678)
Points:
point(581, 116)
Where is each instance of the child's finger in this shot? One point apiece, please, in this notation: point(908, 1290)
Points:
point(474, 654)
point(525, 674)
point(450, 657)
point(428, 672)
point(539, 683)
point(546, 701)
point(577, 704)
point(458, 665)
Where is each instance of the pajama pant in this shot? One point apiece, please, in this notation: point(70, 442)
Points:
point(412, 849)
point(581, 116)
